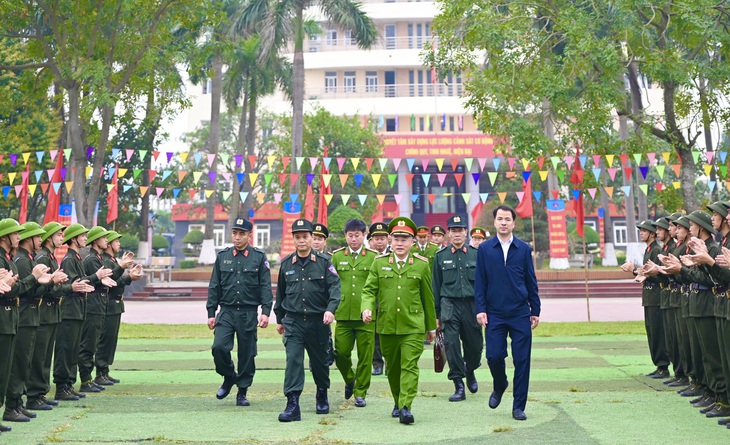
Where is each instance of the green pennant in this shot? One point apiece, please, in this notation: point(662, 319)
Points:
point(554, 160)
point(723, 171)
point(196, 176)
point(637, 158)
point(695, 155)
point(492, 177)
point(660, 170)
point(142, 154)
point(561, 175)
point(467, 163)
point(267, 178)
point(109, 187)
point(391, 178)
point(136, 172)
point(382, 162)
point(644, 188)
point(224, 160)
point(67, 153)
point(226, 195)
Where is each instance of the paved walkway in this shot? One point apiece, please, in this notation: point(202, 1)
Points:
point(553, 310)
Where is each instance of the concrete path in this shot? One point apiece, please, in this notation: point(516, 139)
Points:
point(553, 310)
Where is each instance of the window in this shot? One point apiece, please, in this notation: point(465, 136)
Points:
point(371, 81)
point(349, 82)
point(419, 36)
point(207, 86)
point(219, 232)
point(390, 37)
point(330, 37)
point(420, 124)
point(330, 82)
point(350, 38)
point(620, 235)
point(262, 235)
point(410, 35)
point(451, 123)
point(390, 125)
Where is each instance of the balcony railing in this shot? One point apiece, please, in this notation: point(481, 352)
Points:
point(324, 44)
point(382, 90)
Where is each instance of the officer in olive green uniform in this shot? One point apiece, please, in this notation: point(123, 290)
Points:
point(39, 381)
point(95, 310)
point(453, 290)
point(378, 238)
point(676, 324)
point(307, 296)
point(423, 246)
point(437, 236)
point(73, 313)
point(670, 341)
point(399, 286)
point(114, 307)
point(9, 302)
point(28, 322)
point(240, 283)
point(353, 265)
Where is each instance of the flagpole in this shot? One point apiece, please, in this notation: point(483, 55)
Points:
point(585, 269)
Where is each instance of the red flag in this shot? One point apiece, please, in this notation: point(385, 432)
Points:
point(112, 198)
point(524, 209)
point(476, 212)
point(23, 217)
point(309, 204)
point(323, 190)
point(577, 179)
point(54, 197)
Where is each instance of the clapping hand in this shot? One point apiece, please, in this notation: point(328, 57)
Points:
point(108, 282)
point(82, 286)
point(628, 266)
point(127, 260)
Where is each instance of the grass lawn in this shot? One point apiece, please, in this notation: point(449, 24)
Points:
point(587, 387)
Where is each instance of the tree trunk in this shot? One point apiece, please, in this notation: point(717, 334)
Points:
point(298, 106)
point(707, 128)
point(78, 155)
point(629, 206)
point(215, 128)
point(235, 209)
point(637, 107)
point(150, 127)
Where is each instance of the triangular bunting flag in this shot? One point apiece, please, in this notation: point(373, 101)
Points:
point(660, 170)
point(343, 179)
point(441, 177)
point(502, 196)
point(627, 190)
point(345, 198)
point(376, 178)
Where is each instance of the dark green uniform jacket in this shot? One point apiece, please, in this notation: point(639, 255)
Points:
point(9, 300)
point(701, 298)
point(29, 314)
point(115, 303)
point(307, 287)
point(240, 278)
point(96, 301)
point(52, 296)
point(651, 294)
point(73, 306)
point(453, 274)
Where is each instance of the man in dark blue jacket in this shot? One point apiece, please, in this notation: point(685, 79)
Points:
point(507, 303)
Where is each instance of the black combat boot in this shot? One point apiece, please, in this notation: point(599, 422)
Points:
point(471, 381)
point(291, 412)
point(459, 393)
point(241, 399)
point(323, 405)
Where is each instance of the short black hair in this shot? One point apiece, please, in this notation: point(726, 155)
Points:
point(505, 208)
point(355, 225)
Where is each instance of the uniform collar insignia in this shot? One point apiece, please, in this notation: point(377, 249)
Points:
point(313, 258)
point(294, 259)
point(390, 260)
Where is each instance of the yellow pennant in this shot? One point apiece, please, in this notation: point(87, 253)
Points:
point(253, 177)
point(209, 193)
point(197, 175)
point(328, 198)
point(376, 178)
point(12, 176)
point(270, 160)
point(707, 168)
point(184, 156)
point(32, 188)
point(665, 155)
point(525, 163)
point(122, 172)
point(677, 184)
point(466, 197)
point(26, 156)
point(143, 190)
point(440, 163)
point(326, 178)
point(502, 196)
point(69, 186)
point(345, 198)
point(355, 162)
point(543, 175)
point(89, 170)
point(609, 160)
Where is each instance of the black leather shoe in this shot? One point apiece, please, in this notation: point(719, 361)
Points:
point(291, 412)
point(378, 371)
point(13, 415)
point(241, 399)
point(725, 421)
point(691, 391)
point(653, 373)
point(225, 388)
point(323, 405)
point(349, 390)
point(111, 379)
point(80, 395)
point(669, 380)
point(682, 381)
point(102, 381)
point(89, 387)
point(406, 417)
point(719, 411)
point(496, 398)
point(395, 412)
point(62, 393)
point(459, 393)
point(48, 401)
point(661, 374)
point(471, 382)
point(5, 429)
point(698, 399)
point(98, 386)
point(38, 405)
point(360, 402)
point(708, 409)
point(518, 414)
point(21, 409)
point(705, 402)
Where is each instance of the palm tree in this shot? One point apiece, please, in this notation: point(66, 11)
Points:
point(281, 21)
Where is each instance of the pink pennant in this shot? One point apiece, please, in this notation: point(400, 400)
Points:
point(211, 158)
point(159, 190)
point(710, 155)
point(277, 198)
point(596, 160)
point(482, 163)
point(569, 161)
point(592, 192)
point(651, 157)
point(128, 152)
point(424, 164)
point(612, 173)
point(340, 163)
point(441, 177)
point(396, 163)
point(397, 198)
point(313, 162)
point(511, 162)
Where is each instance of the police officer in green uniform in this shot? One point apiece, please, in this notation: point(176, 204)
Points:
point(651, 299)
point(663, 235)
point(478, 235)
point(423, 246)
point(9, 303)
point(353, 265)
point(95, 309)
point(437, 236)
point(453, 290)
point(399, 286)
point(240, 283)
point(109, 335)
point(378, 238)
point(73, 313)
point(307, 296)
point(675, 323)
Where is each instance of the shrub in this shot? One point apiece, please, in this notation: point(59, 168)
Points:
point(160, 242)
point(129, 243)
point(337, 219)
point(194, 237)
point(188, 264)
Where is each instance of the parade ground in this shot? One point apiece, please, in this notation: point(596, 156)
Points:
point(585, 389)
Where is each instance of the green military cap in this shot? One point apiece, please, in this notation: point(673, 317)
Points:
point(377, 228)
point(51, 228)
point(718, 207)
point(402, 226)
point(683, 221)
point(662, 222)
point(646, 225)
point(421, 230)
point(31, 229)
point(675, 216)
point(321, 230)
point(301, 225)
point(438, 229)
point(73, 231)
point(703, 219)
point(112, 235)
point(95, 233)
point(455, 222)
point(726, 204)
point(478, 232)
point(8, 226)
point(242, 224)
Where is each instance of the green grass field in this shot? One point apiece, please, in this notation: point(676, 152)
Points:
point(587, 387)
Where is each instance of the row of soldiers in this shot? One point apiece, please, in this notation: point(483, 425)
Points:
point(686, 299)
point(388, 296)
point(65, 316)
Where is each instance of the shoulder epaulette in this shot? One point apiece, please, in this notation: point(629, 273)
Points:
point(383, 255)
point(227, 249)
point(371, 250)
point(340, 249)
point(256, 249)
point(432, 243)
point(420, 257)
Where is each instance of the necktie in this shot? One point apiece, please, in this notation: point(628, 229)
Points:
point(400, 264)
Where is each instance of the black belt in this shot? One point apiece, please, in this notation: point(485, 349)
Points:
point(7, 302)
point(719, 290)
point(674, 285)
point(698, 287)
point(305, 317)
point(240, 307)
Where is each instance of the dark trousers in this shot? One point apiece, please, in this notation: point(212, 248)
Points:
point(671, 342)
point(520, 331)
point(242, 324)
point(22, 355)
point(107, 343)
point(654, 323)
point(459, 322)
point(311, 335)
point(377, 353)
point(39, 381)
point(7, 346)
point(710, 350)
point(685, 353)
point(90, 333)
point(696, 352)
point(724, 338)
point(66, 352)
